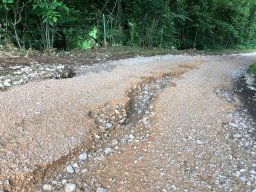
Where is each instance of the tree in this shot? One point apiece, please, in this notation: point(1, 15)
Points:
point(48, 13)
point(66, 24)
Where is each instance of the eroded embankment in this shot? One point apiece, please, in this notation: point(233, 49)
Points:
point(22, 74)
point(111, 118)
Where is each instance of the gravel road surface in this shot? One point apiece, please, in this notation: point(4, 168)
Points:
point(191, 132)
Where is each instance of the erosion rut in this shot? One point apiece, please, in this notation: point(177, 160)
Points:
point(109, 118)
point(41, 170)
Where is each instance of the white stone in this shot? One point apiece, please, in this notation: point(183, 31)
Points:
point(199, 142)
point(83, 156)
point(100, 189)
point(69, 187)
point(97, 136)
point(108, 150)
point(131, 136)
point(47, 187)
point(87, 189)
point(116, 148)
point(84, 170)
point(75, 165)
point(7, 83)
point(17, 72)
point(21, 81)
point(109, 125)
point(60, 67)
point(114, 142)
point(70, 169)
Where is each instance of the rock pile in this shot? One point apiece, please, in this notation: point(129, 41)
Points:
point(109, 116)
point(21, 74)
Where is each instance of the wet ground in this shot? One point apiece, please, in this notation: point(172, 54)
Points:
point(247, 95)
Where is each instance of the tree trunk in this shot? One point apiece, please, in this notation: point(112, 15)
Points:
point(16, 36)
point(105, 31)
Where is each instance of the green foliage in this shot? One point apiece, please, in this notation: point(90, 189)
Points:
point(252, 69)
point(49, 11)
point(182, 24)
point(6, 4)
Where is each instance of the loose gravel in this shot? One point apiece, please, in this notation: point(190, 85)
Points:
point(21, 74)
point(188, 133)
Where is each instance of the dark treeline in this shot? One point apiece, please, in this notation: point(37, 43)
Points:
point(181, 24)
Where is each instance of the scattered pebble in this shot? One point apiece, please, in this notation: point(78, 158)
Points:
point(47, 187)
point(7, 83)
point(87, 189)
point(226, 94)
point(114, 142)
point(69, 187)
point(108, 150)
point(18, 75)
point(131, 137)
point(109, 125)
point(83, 156)
point(100, 189)
point(70, 169)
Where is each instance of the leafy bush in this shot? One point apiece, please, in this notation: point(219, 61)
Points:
point(183, 24)
point(252, 69)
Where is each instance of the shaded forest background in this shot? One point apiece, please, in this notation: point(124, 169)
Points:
point(177, 24)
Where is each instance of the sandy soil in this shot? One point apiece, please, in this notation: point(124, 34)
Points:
point(186, 148)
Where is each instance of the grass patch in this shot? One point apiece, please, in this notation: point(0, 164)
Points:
point(252, 69)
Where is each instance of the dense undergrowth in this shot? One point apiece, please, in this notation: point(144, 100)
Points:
point(252, 69)
point(84, 24)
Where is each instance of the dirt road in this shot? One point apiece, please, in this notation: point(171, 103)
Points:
point(165, 123)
